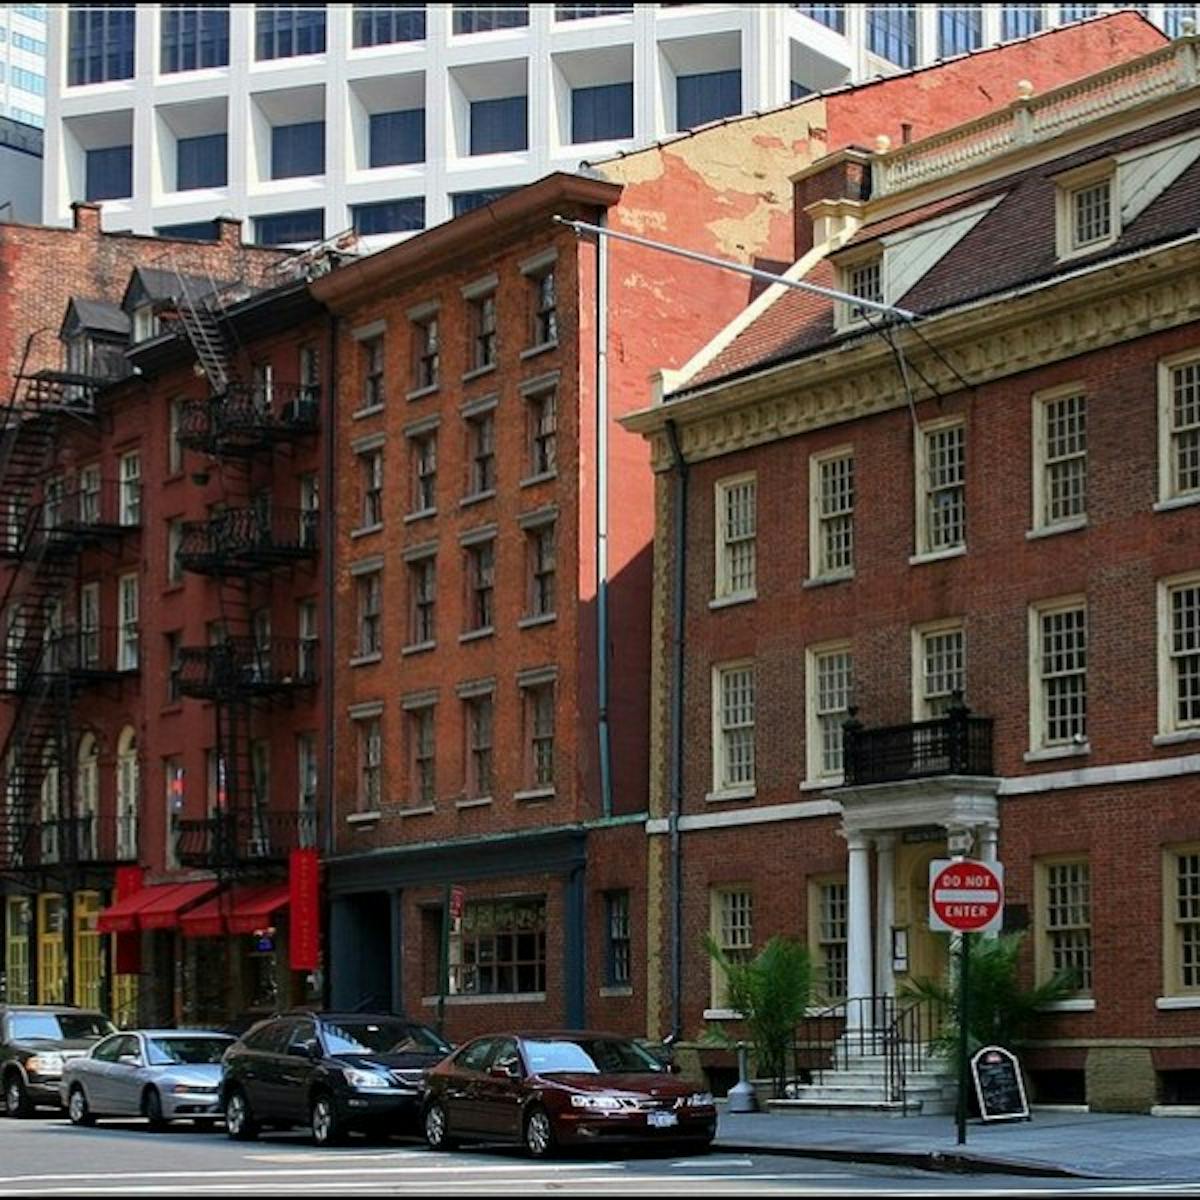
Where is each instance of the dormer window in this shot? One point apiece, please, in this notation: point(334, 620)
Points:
point(1088, 216)
point(1091, 214)
point(863, 278)
point(145, 323)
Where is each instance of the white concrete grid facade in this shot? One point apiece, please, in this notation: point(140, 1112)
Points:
point(23, 62)
point(776, 47)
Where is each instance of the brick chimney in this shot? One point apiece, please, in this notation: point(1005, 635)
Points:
point(229, 232)
point(843, 175)
point(86, 216)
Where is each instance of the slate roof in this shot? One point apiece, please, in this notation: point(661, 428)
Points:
point(97, 316)
point(1012, 246)
point(154, 283)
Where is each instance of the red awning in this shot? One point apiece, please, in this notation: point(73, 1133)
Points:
point(163, 912)
point(122, 916)
point(240, 910)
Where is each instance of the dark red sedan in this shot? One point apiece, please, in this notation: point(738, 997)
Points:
point(546, 1090)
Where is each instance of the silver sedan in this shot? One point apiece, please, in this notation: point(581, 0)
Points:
point(160, 1074)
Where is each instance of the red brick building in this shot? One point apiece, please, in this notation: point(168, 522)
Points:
point(940, 577)
point(484, 742)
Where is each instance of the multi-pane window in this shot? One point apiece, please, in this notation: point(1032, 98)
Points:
point(736, 540)
point(483, 18)
point(832, 526)
point(370, 765)
point(1060, 443)
point(422, 746)
point(1091, 214)
point(397, 137)
point(543, 432)
point(602, 113)
point(479, 714)
point(100, 43)
point(389, 216)
point(285, 229)
point(384, 24)
point(127, 627)
point(831, 681)
point(498, 948)
point(298, 149)
point(201, 162)
point(481, 452)
point(545, 308)
point(1184, 882)
point(733, 751)
point(831, 15)
point(481, 577)
point(1060, 705)
point(941, 488)
point(732, 929)
point(108, 173)
point(372, 358)
point(370, 613)
point(483, 332)
point(941, 666)
point(1019, 20)
point(174, 541)
point(194, 36)
point(89, 495)
point(1181, 700)
point(892, 32)
point(499, 125)
point(89, 624)
point(422, 589)
point(370, 467)
point(541, 542)
point(288, 30)
point(539, 722)
point(960, 28)
point(617, 942)
point(1180, 423)
point(308, 633)
point(425, 352)
point(865, 280)
point(832, 930)
point(306, 787)
point(707, 97)
point(423, 456)
point(1068, 921)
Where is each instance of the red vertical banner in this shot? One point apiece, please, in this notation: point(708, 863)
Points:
point(304, 901)
point(127, 958)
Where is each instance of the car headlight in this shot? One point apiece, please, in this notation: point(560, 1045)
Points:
point(700, 1100)
point(365, 1079)
point(194, 1089)
point(588, 1101)
point(45, 1064)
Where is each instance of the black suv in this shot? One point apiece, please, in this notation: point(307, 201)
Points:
point(35, 1041)
point(333, 1072)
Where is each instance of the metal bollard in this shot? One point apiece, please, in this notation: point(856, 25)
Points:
point(742, 1097)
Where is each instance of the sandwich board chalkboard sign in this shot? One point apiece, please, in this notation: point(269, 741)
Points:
point(999, 1087)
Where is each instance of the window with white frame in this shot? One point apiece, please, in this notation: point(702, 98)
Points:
point(830, 928)
point(1179, 655)
point(89, 494)
point(1065, 923)
point(1181, 924)
point(89, 624)
point(127, 627)
point(53, 494)
point(863, 279)
point(941, 487)
point(1179, 427)
point(1060, 459)
point(174, 542)
point(426, 352)
point(939, 669)
point(831, 509)
point(370, 764)
point(1058, 705)
point(306, 787)
point(1091, 214)
point(736, 501)
point(830, 690)
point(733, 727)
point(131, 488)
point(732, 928)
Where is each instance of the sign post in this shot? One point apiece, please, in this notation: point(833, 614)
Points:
point(965, 896)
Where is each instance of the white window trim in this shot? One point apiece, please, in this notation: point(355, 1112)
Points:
point(924, 551)
point(844, 316)
point(1039, 748)
point(129, 502)
point(1081, 1001)
point(1067, 184)
point(717, 983)
point(815, 462)
point(124, 640)
point(919, 634)
point(1167, 495)
point(744, 791)
point(1167, 725)
point(813, 775)
point(723, 591)
point(1038, 524)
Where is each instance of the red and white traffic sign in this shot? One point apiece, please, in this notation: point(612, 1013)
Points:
point(965, 896)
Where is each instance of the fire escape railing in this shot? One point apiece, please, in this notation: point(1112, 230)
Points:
point(244, 418)
point(228, 839)
point(244, 666)
point(238, 540)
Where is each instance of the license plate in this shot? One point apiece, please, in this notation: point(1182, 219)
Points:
point(661, 1120)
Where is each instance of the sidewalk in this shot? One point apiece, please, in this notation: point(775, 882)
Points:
point(1097, 1145)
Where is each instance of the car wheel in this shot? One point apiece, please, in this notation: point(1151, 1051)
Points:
point(77, 1108)
point(437, 1127)
point(325, 1122)
point(539, 1132)
point(240, 1125)
point(152, 1109)
point(16, 1097)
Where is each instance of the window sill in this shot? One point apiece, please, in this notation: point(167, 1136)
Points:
point(364, 530)
point(364, 818)
point(421, 392)
point(1177, 738)
point(420, 515)
point(723, 1014)
point(540, 619)
point(1070, 1004)
point(741, 793)
point(544, 477)
point(815, 581)
point(535, 795)
point(1045, 531)
point(1171, 1002)
point(1049, 753)
point(473, 635)
point(730, 601)
point(474, 802)
point(361, 414)
point(478, 372)
point(929, 556)
point(612, 990)
point(417, 648)
point(422, 810)
point(362, 660)
point(508, 998)
point(540, 348)
point(477, 498)
point(820, 785)
point(1174, 502)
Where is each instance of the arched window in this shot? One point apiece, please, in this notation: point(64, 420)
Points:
point(87, 790)
point(127, 794)
point(50, 817)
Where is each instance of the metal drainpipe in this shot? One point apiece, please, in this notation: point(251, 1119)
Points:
point(602, 729)
point(676, 781)
point(328, 509)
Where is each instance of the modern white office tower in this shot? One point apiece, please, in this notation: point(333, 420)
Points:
point(308, 119)
point(23, 62)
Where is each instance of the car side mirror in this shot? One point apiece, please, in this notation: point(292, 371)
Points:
point(130, 1060)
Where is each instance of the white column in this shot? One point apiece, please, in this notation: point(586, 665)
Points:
point(858, 925)
point(987, 839)
point(885, 910)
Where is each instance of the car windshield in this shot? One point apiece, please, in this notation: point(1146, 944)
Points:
point(590, 1056)
point(59, 1027)
point(381, 1037)
point(189, 1050)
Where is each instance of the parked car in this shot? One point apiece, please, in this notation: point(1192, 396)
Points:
point(334, 1072)
point(36, 1041)
point(160, 1074)
point(546, 1090)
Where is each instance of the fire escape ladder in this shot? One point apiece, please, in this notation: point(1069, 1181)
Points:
point(203, 318)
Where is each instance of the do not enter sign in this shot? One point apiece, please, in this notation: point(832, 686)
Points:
point(965, 896)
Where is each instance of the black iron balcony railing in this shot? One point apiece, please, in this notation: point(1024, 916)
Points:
point(93, 655)
point(33, 843)
point(236, 838)
point(956, 744)
point(242, 540)
point(245, 666)
point(67, 522)
point(245, 418)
